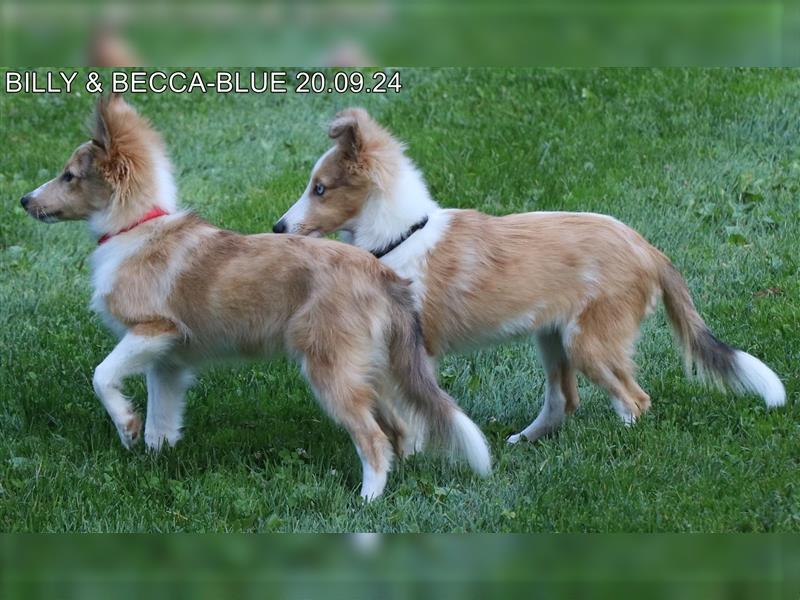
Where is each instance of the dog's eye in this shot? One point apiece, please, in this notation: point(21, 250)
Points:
point(319, 189)
point(68, 176)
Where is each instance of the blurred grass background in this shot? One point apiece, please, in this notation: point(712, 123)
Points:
point(402, 32)
point(613, 567)
point(704, 163)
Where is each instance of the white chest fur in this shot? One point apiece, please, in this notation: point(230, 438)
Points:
point(409, 259)
point(105, 263)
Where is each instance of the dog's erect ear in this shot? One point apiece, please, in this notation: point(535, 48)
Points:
point(106, 106)
point(346, 129)
point(101, 133)
point(112, 121)
point(100, 136)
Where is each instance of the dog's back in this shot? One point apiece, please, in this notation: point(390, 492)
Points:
point(181, 292)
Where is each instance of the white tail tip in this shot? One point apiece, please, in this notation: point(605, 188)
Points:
point(754, 376)
point(472, 444)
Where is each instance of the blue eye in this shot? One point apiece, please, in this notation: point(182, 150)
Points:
point(319, 189)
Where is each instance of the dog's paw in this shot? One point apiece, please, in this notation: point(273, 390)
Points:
point(412, 445)
point(154, 441)
point(130, 430)
point(516, 438)
point(643, 404)
point(157, 440)
point(370, 495)
point(628, 413)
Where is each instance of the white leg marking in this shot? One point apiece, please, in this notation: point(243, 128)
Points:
point(166, 398)
point(623, 411)
point(550, 417)
point(553, 411)
point(373, 482)
point(132, 355)
point(415, 428)
point(414, 441)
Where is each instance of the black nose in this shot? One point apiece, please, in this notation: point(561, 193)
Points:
point(24, 201)
point(279, 227)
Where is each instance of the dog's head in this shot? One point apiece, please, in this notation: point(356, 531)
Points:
point(359, 167)
point(105, 175)
point(78, 191)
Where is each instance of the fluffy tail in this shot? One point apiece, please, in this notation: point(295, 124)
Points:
point(445, 423)
point(705, 355)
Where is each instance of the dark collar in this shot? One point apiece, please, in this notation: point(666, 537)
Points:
point(392, 245)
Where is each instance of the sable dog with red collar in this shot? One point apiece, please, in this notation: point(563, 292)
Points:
point(181, 292)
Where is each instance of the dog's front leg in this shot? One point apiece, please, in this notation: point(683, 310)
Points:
point(166, 399)
point(132, 355)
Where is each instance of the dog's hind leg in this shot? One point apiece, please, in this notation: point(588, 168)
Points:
point(134, 354)
point(166, 398)
point(404, 428)
point(561, 391)
point(349, 397)
point(394, 426)
point(601, 347)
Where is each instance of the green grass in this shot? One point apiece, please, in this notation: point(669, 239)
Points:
point(705, 164)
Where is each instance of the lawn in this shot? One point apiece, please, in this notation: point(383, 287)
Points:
point(704, 163)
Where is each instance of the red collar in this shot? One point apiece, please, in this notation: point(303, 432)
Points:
point(149, 215)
